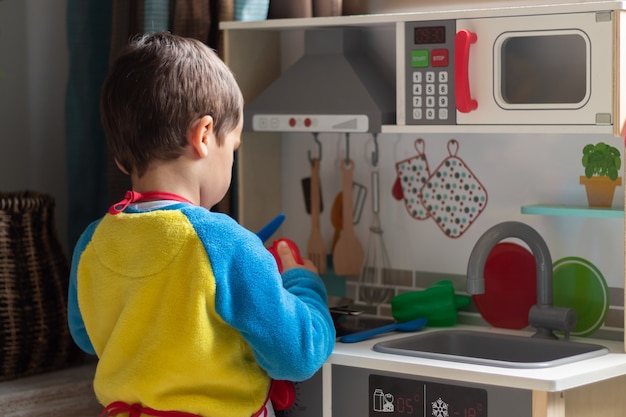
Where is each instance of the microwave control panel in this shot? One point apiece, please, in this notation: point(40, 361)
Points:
point(429, 68)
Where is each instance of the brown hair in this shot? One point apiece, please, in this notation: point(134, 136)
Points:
point(158, 85)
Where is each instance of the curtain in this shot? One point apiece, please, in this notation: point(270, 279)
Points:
point(88, 39)
point(96, 32)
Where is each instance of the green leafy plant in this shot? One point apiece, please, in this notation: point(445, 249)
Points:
point(601, 159)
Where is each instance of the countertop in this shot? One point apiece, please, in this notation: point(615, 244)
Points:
point(551, 379)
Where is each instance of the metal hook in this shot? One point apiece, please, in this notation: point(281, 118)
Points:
point(319, 148)
point(347, 148)
point(375, 153)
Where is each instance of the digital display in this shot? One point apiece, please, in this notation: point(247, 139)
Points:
point(429, 34)
point(399, 397)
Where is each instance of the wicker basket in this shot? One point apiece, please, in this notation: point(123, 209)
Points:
point(34, 273)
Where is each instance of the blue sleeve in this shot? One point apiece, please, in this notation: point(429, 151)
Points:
point(285, 320)
point(74, 318)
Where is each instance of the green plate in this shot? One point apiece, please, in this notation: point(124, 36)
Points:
point(579, 284)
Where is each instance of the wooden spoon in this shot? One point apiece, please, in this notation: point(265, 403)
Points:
point(315, 247)
point(348, 253)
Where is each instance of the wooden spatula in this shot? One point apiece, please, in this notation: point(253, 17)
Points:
point(348, 252)
point(336, 218)
point(315, 246)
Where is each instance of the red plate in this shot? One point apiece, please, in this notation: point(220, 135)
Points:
point(510, 287)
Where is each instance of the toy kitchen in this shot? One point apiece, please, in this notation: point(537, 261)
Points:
point(464, 130)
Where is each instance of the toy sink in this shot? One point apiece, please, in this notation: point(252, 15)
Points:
point(493, 349)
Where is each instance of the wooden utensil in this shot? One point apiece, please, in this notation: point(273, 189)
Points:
point(315, 246)
point(336, 218)
point(348, 253)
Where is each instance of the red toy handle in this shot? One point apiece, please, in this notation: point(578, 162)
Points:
point(464, 101)
point(294, 250)
point(282, 394)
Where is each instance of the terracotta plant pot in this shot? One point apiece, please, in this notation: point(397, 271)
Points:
point(600, 190)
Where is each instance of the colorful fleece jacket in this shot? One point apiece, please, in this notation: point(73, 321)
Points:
point(186, 311)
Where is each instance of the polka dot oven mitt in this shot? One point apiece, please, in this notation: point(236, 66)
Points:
point(453, 196)
point(412, 174)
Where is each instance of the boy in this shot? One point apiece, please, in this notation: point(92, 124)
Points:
point(185, 309)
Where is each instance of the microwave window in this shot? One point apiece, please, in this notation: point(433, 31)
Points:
point(544, 69)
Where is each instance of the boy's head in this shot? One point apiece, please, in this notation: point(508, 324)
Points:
point(156, 88)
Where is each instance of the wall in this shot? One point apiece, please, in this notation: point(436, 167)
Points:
point(33, 62)
point(516, 170)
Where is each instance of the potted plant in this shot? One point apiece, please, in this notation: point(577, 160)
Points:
point(602, 163)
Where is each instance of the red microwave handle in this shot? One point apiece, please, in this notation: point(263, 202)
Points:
point(462, 41)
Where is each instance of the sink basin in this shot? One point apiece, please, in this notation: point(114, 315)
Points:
point(494, 349)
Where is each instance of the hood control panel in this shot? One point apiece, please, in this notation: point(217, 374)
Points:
point(318, 123)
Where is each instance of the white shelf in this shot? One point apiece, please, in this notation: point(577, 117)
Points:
point(433, 10)
point(459, 129)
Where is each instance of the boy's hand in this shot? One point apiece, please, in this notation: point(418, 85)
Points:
point(289, 261)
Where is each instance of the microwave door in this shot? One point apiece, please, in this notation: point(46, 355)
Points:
point(552, 69)
point(542, 70)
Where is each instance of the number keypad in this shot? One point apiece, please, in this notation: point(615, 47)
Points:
point(430, 99)
point(429, 73)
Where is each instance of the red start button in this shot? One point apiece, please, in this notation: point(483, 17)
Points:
point(292, 122)
point(307, 122)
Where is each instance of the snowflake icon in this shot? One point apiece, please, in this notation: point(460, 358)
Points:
point(440, 408)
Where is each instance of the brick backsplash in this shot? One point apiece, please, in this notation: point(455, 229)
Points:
point(403, 281)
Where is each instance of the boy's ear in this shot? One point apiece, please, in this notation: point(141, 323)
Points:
point(120, 167)
point(200, 133)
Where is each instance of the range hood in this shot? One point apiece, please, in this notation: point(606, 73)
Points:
point(332, 88)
